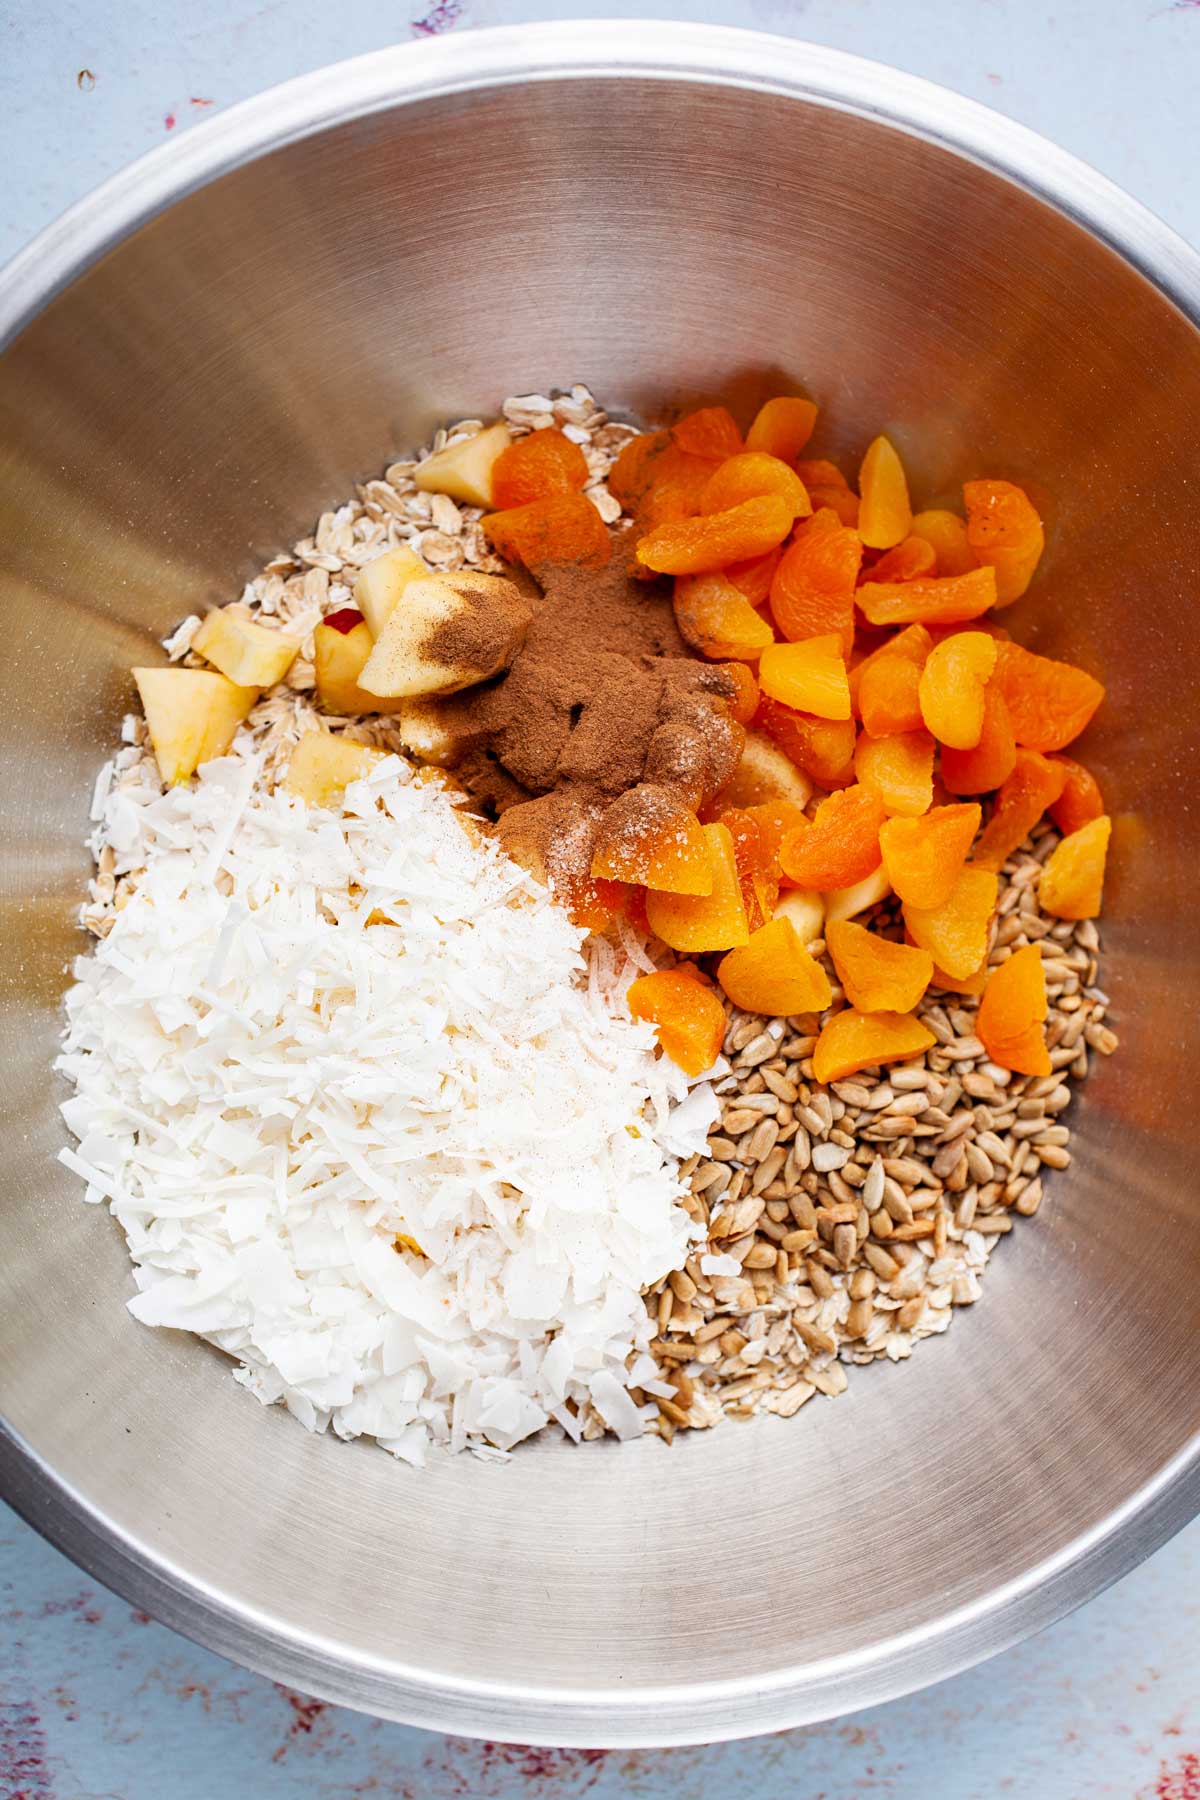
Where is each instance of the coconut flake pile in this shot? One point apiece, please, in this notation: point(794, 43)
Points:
point(312, 1040)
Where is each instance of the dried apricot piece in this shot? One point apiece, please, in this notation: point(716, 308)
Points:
point(854, 1040)
point(956, 932)
point(753, 577)
point(746, 694)
point(699, 545)
point(1012, 1011)
point(992, 760)
point(912, 559)
point(774, 974)
point(712, 432)
point(1005, 532)
point(649, 837)
point(1073, 879)
point(748, 474)
point(696, 923)
point(564, 529)
point(1080, 801)
point(775, 818)
point(886, 685)
point(809, 677)
point(1034, 785)
point(951, 687)
point(592, 905)
point(1050, 702)
point(974, 983)
point(757, 873)
point(782, 427)
point(633, 471)
point(924, 857)
point(535, 467)
point(675, 490)
point(898, 770)
point(877, 974)
point(884, 512)
point(946, 534)
point(812, 591)
point(823, 748)
point(839, 845)
point(828, 487)
point(940, 600)
point(718, 621)
point(688, 1017)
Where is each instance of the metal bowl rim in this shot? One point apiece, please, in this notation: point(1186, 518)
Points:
point(438, 68)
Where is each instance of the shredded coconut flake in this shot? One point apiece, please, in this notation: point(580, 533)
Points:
point(372, 1115)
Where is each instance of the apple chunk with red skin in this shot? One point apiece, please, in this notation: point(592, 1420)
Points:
point(342, 644)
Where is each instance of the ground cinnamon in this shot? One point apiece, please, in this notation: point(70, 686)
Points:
point(601, 697)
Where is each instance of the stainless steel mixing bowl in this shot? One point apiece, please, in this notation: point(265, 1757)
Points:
point(218, 344)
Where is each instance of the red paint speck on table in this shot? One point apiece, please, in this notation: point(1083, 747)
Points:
point(1177, 1781)
point(443, 16)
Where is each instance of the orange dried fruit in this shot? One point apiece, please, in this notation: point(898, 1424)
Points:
point(828, 487)
point(951, 688)
point(675, 490)
point(698, 545)
point(885, 687)
point(809, 677)
point(884, 513)
point(775, 818)
point(1034, 785)
point(688, 1017)
point(1005, 532)
point(696, 923)
point(974, 983)
point(877, 974)
point(592, 905)
point(912, 559)
point(956, 932)
point(854, 1040)
point(940, 600)
point(633, 471)
point(1050, 702)
point(898, 770)
point(1012, 1011)
point(757, 872)
point(753, 577)
point(716, 620)
point(537, 466)
point(924, 857)
point(946, 534)
point(993, 758)
point(1080, 801)
point(649, 837)
point(812, 591)
point(782, 427)
point(1072, 881)
point(746, 696)
point(823, 748)
point(748, 474)
point(710, 432)
point(774, 974)
point(564, 529)
point(839, 845)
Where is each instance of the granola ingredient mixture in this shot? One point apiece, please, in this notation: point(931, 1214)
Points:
point(809, 794)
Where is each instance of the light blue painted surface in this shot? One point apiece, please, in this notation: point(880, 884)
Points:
point(98, 1703)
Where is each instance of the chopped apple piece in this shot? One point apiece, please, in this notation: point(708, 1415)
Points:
point(341, 646)
point(192, 716)
point(764, 774)
point(805, 908)
point(464, 471)
point(434, 734)
point(449, 632)
point(381, 583)
point(250, 654)
point(323, 766)
point(847, 902)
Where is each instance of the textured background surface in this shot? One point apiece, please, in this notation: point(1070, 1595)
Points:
point(96, 1701)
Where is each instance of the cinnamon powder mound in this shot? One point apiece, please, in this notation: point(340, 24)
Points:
point(602, 697)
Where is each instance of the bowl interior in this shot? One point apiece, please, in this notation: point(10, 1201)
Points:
point(189, 405)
